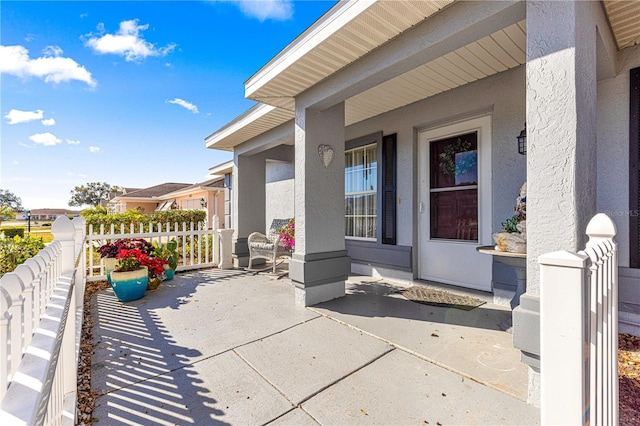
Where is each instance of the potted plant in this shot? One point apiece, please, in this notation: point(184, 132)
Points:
point(130, 278)
point(155, 266)
point(513, 235)
point(109, 251)
point(288, 235)
point(169, 253)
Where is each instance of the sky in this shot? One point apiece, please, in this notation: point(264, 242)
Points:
point(125, 92)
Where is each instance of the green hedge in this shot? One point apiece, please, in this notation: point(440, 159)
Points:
point(12, 232)
point(98, 215)
point(14, 251)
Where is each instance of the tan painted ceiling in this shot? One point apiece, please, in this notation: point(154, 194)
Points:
point(379, 23)
point(624, 18)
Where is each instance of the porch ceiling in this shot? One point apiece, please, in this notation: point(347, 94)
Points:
point(348, 32)
point(624, 18)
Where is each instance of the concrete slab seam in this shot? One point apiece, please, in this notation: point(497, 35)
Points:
point(418, 355)
point(299, 405)
point(207, 358)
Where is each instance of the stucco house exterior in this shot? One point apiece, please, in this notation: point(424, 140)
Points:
point(362, 112)
point(207, 195)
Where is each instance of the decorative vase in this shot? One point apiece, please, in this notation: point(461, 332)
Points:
point(130, 285)
point(168, 272)
point(109, 266)
point(154, 282)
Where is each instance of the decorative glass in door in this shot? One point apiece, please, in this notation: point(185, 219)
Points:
point(454, 188)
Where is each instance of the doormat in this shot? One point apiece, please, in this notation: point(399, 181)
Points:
point(433, 297)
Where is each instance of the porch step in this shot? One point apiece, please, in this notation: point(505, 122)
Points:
point(629, 318)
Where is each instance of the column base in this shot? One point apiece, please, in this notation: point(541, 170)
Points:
point(318, 294)
point(319, 277)
point(240, 253)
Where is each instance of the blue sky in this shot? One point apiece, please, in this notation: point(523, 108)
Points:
point(126, 92)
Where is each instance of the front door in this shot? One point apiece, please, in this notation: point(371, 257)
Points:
point(455, 203)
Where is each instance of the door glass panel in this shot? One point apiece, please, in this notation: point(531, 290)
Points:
point(454, 188)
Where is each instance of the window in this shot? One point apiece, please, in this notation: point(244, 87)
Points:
point(361, 187)
point(453, 165)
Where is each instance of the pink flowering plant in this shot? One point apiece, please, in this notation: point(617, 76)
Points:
point(288, 235)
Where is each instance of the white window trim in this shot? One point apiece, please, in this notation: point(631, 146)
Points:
point(375, 191)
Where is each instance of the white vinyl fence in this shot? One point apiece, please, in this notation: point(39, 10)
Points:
point(197, 247)
point(579, 331)
point(41, 306)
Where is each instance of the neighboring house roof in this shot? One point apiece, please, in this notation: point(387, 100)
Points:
point(209, 185)
point(155, 191)
point(53, 212)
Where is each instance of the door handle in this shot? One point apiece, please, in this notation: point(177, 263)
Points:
point(421, 207)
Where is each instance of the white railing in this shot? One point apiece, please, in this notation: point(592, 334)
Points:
point(579, 331)
point(197, 247)
point(41, 308)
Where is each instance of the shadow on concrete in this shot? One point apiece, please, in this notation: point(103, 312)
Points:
point(141, 374)
point(382, 299)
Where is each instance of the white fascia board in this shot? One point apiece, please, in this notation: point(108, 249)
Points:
point(340, 15)
point(221, 169)
point(238, 123)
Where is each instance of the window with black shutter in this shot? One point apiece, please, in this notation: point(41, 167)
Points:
point(634, 175)
point(389, 189)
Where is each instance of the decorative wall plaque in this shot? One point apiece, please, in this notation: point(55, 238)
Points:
point(326, 154)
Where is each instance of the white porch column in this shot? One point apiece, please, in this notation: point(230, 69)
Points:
point(248, 198)
point(320, 265)
point(561, 151)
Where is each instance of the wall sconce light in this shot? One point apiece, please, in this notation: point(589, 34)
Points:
point(522, 141)
point(203, 203)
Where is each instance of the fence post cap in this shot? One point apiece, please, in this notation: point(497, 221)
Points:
point(63, 229)
point(564, 258)
point(601, 226)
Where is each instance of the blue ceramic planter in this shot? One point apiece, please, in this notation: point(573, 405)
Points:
point(169, 273)
point(130, 285)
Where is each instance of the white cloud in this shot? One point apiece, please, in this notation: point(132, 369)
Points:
point(49, 122)
point(127, 41)
point(185, 104)
point(94, 149)
point(24, 145)
point(16, 116)
point(51, 67)
point(72, 142)
point(46, 139)
point(52, 51)
point(278, 10)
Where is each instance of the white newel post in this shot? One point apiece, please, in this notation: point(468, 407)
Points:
point(563, 327)
point(226, 260)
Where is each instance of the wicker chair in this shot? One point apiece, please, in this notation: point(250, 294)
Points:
point(267, 246)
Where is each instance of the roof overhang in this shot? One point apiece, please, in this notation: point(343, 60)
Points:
point(257, 120)
point(353, 31)
point(221, 169)
point(191, 190)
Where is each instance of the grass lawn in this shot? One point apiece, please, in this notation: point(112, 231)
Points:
point(42, 229)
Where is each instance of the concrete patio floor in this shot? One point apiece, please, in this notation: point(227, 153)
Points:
point(230, 347)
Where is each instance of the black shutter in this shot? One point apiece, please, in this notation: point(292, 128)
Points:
point(389, 189)
point(634, 175)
